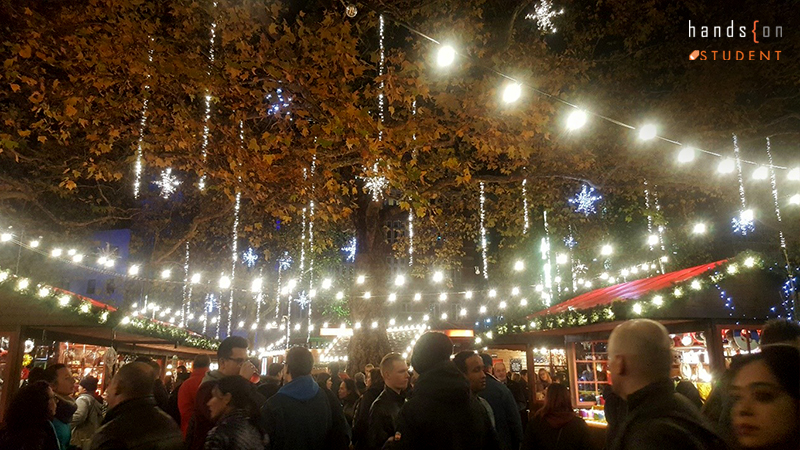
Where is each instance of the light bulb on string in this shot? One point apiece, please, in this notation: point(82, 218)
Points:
point(512, 92)
point(606, 250)
point(445, 56)
point(761, 173)
point(699, 228)
point(327, 283)
point(133, 270)
point(647, 132)
point(34, 244)
point(339, 295)
point(653, 239)
point(686, 155)
point(399, 280)
point(165, 274)
point(5, 237)
point(726, 166)
point(256, 285)
point(438, 276)
point(56, 252)
point(519, 266)
point(196, 277)
point(576, 120)
point(224, 282)
point(392, 297)
point(361, 279)
point(795, 199)
point(417, 297)
point(794, 174)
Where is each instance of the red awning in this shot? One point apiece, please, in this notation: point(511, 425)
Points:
point(628, 291)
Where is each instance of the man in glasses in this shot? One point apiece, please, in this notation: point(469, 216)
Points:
point(232, 360)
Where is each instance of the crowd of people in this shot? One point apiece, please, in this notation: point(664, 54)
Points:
point(447, 401)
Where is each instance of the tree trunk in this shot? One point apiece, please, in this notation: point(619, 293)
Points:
point(369, 345)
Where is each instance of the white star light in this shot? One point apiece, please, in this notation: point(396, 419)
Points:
point(585, 200)
point(544, 15)
point(285, 262)
point(350, 250)
point(249, 257)
point(375, 185)
point(303, 300)
point(745, 223)
point(168, 183)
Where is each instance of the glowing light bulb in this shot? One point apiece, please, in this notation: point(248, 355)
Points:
point(512, 92)
point(658, 300)
point(417, 297)
point(647, 132)
point(686, 155)
point(374, 325)
point(224, 282)
point(392, 297)
point(165, 274)
point(77, 258)
point(361, 279)
point(426, 318)
point(255, 286)
point(794, 174)
point(492, 293)
point(523, 302)
point(795, 199)
point(652, 239)
point(561, 259)
point(72, 252)
point(367, 295)
point(747, 215)
point(133, 270)
point(519, 266)
point(637, 308)
point(444, 316)
point(291, 284)
point(445, 56)
point(438, 276)
point(606, 250)
point(56, 252)
point(761, 173)
point(483, 310)
point(468, 294)
point(515, 291)
point(699, 228)
point(339, 295)
point(502, 305)
point(399, 280)
point(34, 244)
point(327, 283)
point(442, 297)
point(576, 120)
point(749, 262)
point(726, 166)
point(696, 285)
point(463, 312)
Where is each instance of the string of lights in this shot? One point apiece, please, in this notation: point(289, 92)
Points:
point(139, 164)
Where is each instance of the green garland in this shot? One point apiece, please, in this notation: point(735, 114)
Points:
point(625, 310)
point(86, 310)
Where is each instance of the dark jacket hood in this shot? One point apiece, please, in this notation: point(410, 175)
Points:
point(301, 388)
point(443, 382)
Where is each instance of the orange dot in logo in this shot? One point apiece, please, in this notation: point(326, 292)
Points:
point(694, 55)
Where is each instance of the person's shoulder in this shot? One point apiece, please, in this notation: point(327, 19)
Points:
point(667, 432)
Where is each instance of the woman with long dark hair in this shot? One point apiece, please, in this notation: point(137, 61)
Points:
point(765, 392)
point(556, 426)
point(348, 396)
point(28, 420)
point(237, 416)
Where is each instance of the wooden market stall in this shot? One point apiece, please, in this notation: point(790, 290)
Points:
point(712, 311)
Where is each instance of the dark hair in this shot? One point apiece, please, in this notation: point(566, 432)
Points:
point(375, 377)
point(29, 406)
point(780, 330)
point(333, 368)
point(89, 383)
point(487, 361)
point(135, 380)
point(782, 360)
point(322, 379)
point(143, 359)
point(523, 372)
point(299, 361)
point(241, 394)
point(556, 401)
point(350, 385)
point(51, 372)
point(181, 368)
point(688, 390)
point(36, 374)
point(201, 362)
point(432, 348)
point(274, 369)
point(226, 347)
point(460, 360)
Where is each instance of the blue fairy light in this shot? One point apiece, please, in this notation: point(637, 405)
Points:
point(585, 200)
point(284, 262)
point(250, 257)
point(350, 250)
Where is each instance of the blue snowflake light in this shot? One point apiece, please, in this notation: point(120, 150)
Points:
point(249, 257)
point(284, 262)
point(350, 250)
point(570, 242)
point(585, 200)
point(279, 105)
point(744, 224)
point(303, 300)
point(211, 302)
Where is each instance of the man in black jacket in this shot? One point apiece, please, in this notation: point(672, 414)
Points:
point(272, 382)
point(384, 410)
point(506, 416)
point(363, 405)
point(302, 416)
point(639, 359)
point(441, 413)
point(133, 420)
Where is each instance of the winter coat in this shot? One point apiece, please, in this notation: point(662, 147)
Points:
point(383, 418)
point(506, 416)
point(659, 418)
point(556, 432)
point(137, 424)
point(269, 386)
point(302, 416)
point(441, 414)
point(235, 431)
point(65, 409)
point(86, 420)
point(161, 394)
point(187, 395)
point(34, 436)
point(361, 417)
point(349, 407)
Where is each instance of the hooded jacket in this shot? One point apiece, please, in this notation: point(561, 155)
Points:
point(442, 414)
point(301, 416)
point(137, 424)
point(86, 420)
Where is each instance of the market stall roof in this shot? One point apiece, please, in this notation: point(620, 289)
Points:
point(631, 290)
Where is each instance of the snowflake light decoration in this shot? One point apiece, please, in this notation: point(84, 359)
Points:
point(570, 242)
point(375, 185)
point(303, 300)
point(250, 257)
point(284, 262)
point(279, 104)
point(350, 250)
point(211, 302)
point(544, 14)
point(743, 224)
point(168, 183)
point(585, 200)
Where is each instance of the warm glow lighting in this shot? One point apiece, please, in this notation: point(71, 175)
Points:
point(502, 305)
point(445, 56)
point(442, 297)
point(339, 295)
point(72, 252)
point(463, 312)
point(468, 294)
point(523, 302)
point(196, 277)
point(726, 166)
point(794, 174)
point(77, 258)
point(658, 300)
point(795, 199)
point(165, 274)
point(577, 119)
point(761, 173)
point(512, 92)
point(515, 291)
point(747, 215)
point(561, 259)
point(444, 316)
point(361, 279)
point(750, 261)
point(483, 310)
point(399, 280)
point(291, 284)
point(133, 270)
point(647, 132)
point(606, 250)
point(637, 308)
point(732, 269)
point(327, 283)
point(392, 297)
point(519, 266)
point(438, 276)
point(699, 228)
point(256, 285)
point(417, 297)
point(374, 325)
point(696, 285)
point(686, 155)
point(367, 295)
point(492, 293)
point(56, 252)
point(652, 239)
point(426, 318)
point(604, 276)
point(224, 282)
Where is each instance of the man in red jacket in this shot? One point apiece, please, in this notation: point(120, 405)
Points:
point(188, 390)
point(232, 360)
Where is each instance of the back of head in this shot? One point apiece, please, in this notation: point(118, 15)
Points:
point(134, 380)
point(431, 349)
point(556, 401)
point(322, 378)
point(201, 362)
point(781, 331)
point(359, 377)
point(333, 368)
point(274, 369)
point(299, 362)
point(375, 379)
point(225, 350)
point(36, 374)
point(51, 372)
point(241, 394)
point(647, 346)
point(29, 406)
point(89, 383)
point(350, 385)
point(460, 360)
point(387, 363)
point(487, 362)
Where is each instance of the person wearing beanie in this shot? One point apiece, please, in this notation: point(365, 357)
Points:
point(441, 413)
point(506, 416)
point(89, 415)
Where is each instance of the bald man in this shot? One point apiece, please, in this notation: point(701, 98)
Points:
point(640, 359)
